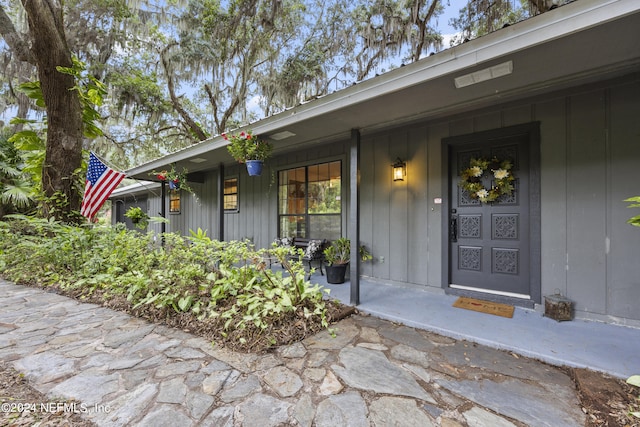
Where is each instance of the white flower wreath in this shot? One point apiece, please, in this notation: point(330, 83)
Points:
point(472, 179)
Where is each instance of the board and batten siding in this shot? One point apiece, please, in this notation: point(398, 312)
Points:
point(197, 209)
point(257, 215)
point(590, 163)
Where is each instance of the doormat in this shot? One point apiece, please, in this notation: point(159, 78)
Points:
point(489, 307)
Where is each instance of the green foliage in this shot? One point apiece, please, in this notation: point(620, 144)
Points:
point(140, 87)
point(173, 177)
point(478, 18)
point(91, 92)
point(138, 217)
point(339, 252)
point(225, 282)
point(246, 146)
point(34, 92)
point(635, 203)
point(29, 142)
point(16, 188)
point(635, 381)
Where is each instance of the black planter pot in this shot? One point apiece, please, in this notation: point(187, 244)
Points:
point(336, 273)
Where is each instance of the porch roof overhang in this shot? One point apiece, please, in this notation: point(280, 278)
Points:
point(140, 187)
point(576, 44)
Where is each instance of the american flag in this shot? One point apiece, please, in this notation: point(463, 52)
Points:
point(101, 181)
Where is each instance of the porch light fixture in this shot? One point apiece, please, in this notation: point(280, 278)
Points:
point(494, 72)
point(399, 170)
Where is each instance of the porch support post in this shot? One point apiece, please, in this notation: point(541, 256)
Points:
point(163, 208)
point(221, 202)
point(354, 215)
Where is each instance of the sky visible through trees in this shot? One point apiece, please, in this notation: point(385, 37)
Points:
point(150, 77)
point(442, 24)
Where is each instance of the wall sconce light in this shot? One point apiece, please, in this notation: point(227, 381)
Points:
point(399, 170)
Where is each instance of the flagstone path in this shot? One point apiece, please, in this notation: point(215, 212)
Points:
point(128, 372)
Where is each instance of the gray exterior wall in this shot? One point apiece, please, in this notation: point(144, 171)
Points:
point(590, 163)
point(257, 216)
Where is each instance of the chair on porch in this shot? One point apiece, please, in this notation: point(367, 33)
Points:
point(313, 250)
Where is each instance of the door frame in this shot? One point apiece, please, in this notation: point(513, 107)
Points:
point(532, 131)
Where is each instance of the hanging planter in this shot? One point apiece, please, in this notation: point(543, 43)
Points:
point(254, 167)
point(248, 148)
point(177, 180)
point(138, 217)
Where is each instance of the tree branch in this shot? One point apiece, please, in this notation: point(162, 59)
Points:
point(175, 101)
point(19, 46)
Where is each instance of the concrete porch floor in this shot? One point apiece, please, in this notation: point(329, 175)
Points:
point(607, 348)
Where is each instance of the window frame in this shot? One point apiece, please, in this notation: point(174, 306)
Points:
point(237, 194)
point(308, 216)
point(178, 193)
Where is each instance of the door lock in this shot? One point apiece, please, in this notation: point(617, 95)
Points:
point(453, 228)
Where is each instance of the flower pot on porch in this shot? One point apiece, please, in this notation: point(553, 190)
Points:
point(336, 273)
point(254, 167)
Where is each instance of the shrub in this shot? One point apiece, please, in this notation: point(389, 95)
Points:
point(225, 282)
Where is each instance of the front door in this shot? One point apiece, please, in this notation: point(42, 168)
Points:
point(490, 229)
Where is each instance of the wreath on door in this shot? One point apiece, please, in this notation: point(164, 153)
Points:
point(471, 179)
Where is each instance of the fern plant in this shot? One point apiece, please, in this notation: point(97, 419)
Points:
point(635, 203)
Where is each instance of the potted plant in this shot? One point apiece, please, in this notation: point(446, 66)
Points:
point(247, 148)
point(139, 218)
point(177, 180)
point(337, 256)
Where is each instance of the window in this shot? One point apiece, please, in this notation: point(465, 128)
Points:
point(231, 194)
point(309, 201)
point(174, 201)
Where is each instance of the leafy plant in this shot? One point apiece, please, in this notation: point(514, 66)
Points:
point(138, 217)
point(176, 179)
point(91, 92)
point(635, 203)
point(226, 284)
point(247, 146)
point(339, 252)
point(16, 188)
point(635, 381)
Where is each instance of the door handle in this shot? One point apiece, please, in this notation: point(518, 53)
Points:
point(453, 228)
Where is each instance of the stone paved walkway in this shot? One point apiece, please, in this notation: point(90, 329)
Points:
point(128, 372)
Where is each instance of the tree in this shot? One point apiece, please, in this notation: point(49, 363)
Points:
point(225, 48)
point(45, 47)
point(178, 72)
point(317, 60)
point(387, 27)
point(481, 17)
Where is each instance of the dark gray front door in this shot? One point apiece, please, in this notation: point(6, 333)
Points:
point(489, 248)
